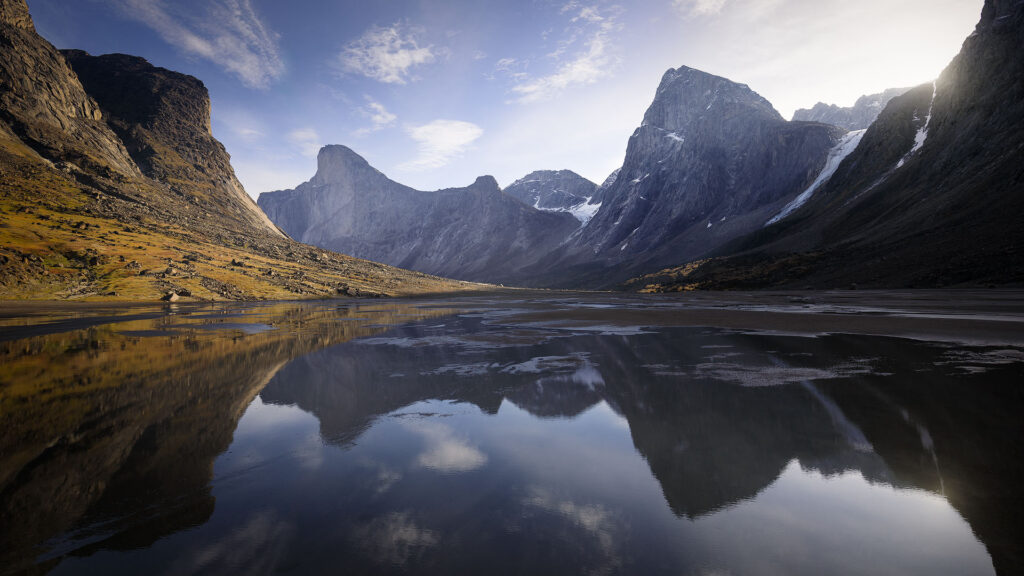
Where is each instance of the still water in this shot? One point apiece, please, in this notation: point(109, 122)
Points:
point(487, 435)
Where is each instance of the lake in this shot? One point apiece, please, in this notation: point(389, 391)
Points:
point(517, 433)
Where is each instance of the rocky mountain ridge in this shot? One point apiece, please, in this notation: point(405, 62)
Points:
point(113, 187)
point(711, 161)
point(857, 117)
point(474, 233)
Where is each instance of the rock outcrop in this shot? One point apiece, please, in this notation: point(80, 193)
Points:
point(163, 118)
point(475, 233)
point(857, 117)
point(43, 104)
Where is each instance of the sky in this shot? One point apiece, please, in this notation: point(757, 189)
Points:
point(437, 92)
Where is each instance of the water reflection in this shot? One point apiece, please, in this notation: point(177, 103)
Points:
point(460, 443)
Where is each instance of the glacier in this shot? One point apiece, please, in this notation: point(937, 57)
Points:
point(847, 144)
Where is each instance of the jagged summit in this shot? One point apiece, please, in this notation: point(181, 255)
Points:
point(336, 163)
point(710, 158)
point(687, 95)
point(486, 183)
point(471, 233)
point(338, 153)
point(857, 117)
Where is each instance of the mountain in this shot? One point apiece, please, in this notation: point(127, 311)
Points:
point(561, 191)
point(163, 119)
point(113, 186)
point(711, 161)
point(473, 233)
point(932, 195)
point(856, 117)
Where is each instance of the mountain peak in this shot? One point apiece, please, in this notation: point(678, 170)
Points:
point(336, 163)
point(998, 13)
point(487, 183)
point(339, 153)
point(556, 190)
point(857, 117)
point(687, 95)
point(15, 13)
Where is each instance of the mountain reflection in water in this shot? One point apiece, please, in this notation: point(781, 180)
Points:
point(417, 438)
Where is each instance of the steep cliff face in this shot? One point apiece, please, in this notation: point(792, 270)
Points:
point(710, 162)
point(932, 196)
point(163, 118)
point(857, 117)
point(475, 233)
point(111, 186)
point(44, 105)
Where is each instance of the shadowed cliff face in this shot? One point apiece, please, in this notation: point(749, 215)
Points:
point(711, 159)
point(930, 197)
point(112, 430)
point(163, 118)
point(474, 233)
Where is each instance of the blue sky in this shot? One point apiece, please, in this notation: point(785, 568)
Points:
point(436, 92)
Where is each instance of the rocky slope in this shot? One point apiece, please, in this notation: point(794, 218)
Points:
point(111, 186)
point(163, 118)
point(556, 191)
point(473, 233)
point(857, 117)
point(711, 161)
point(932, 196)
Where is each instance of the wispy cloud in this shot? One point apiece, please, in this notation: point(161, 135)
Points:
point(593, 61)
point(439, 142)
point(699, 7)
point(380, 117)
point(394, 539)
point(305, 140)
point(228, 33)
point(386, 54)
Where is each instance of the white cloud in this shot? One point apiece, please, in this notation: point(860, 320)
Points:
point(440, 141)
point(380, 117)
point(249, 133)
point(305, 140)
point(228, 33)
point(385, 54)
point(596, 59)
point(699, 7)
point(445, 452)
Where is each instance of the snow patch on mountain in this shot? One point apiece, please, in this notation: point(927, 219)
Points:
point(922, 132)
point(847, 144)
